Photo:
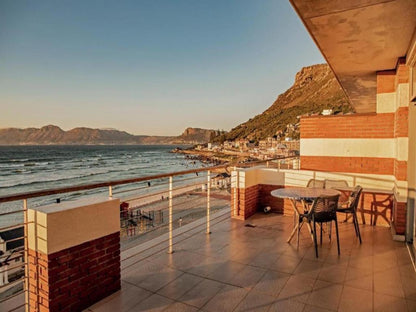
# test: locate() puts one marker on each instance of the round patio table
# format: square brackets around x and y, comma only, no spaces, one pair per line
[302,194]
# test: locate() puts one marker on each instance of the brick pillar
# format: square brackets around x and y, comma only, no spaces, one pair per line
[399,217]
[74,255]
[252,192]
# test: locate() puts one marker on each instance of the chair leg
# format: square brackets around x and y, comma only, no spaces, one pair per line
[354,221]
[297,243]
[330,230]
[336,230]
[314,239]
[321,235]
[357,227]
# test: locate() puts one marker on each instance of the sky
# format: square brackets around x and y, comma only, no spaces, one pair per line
[147,67]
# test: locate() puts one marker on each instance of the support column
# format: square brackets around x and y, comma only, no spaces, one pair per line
[74,254]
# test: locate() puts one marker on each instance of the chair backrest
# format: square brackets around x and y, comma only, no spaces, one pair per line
[354,198]
[334,184]
[337,185]
[324,209]
[316,183]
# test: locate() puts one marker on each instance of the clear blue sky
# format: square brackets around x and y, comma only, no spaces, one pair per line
[147,67]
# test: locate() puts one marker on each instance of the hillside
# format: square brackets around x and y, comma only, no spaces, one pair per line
[53,135]
[315,88]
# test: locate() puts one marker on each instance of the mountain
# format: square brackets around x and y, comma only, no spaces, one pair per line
[315,89]
[53,135]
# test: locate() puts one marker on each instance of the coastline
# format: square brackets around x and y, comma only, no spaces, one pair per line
[214,157]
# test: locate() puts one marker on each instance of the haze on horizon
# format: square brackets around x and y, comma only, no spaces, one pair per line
[147,67]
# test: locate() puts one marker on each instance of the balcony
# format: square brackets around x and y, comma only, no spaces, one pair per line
[245,263]
[248,266]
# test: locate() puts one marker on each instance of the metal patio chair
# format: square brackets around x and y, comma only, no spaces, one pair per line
[351,207]
[324,210]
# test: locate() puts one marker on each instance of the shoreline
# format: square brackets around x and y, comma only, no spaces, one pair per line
[217,158]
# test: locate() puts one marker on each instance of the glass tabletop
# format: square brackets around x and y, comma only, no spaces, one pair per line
[304,193]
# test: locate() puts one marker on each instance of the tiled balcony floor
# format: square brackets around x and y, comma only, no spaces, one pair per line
[239,268]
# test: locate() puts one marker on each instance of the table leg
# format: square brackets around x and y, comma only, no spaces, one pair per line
[296,222]
[310,231]
[295,228]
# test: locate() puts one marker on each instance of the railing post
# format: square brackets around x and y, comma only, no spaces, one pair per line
[208,200]
[278,165]
[170,214]
[235,192]
[110,191]
[26,283]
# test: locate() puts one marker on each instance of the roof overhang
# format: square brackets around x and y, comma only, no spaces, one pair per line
[359,38]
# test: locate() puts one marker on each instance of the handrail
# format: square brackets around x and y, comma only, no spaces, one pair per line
[27,195]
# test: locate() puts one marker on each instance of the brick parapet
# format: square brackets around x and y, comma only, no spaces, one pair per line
[74,278]
[355,126]
[371,165]
[371,204]
[247,202]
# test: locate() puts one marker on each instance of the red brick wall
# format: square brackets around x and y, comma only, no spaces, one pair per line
[247,202]
[401,122]
[386,81]
[348,126]
[348,164]
[400,170]
[402,71]
[399,217]
[255,198]
[74,278]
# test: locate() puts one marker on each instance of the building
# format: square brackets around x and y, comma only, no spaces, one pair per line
[221,180]
[371,48]
[11,255]
[242,144]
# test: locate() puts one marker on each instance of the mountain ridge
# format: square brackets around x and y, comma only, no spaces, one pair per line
[315,88]
[54,135]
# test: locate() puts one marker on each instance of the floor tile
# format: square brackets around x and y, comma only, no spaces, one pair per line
[287,305]
[154,303]
[388,303]
[180,307]
[226,299]
[200,294]
[178,287]
[123,300]
[272,283]
[389,283]
[297,288]
[255,301]
[356,300]
[325,295]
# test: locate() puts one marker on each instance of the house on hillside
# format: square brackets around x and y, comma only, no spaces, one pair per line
[228,144]
[242,144]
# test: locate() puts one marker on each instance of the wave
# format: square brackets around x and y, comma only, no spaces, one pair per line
[48,180]
[53,169]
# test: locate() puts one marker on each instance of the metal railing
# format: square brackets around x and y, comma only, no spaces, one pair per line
[156,205]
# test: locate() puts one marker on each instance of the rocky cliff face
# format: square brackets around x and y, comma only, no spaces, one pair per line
[315,89]
[197,135]
[49,135]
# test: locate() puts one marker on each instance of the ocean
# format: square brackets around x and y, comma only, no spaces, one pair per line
[34,168]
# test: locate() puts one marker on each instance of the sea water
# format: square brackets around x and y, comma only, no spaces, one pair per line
[34,168]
